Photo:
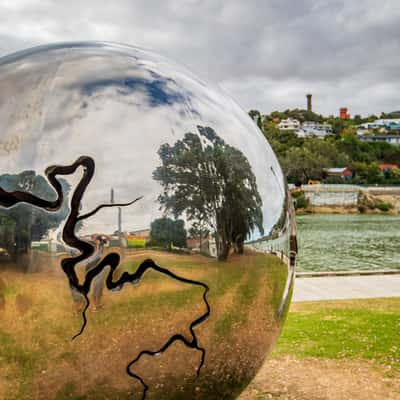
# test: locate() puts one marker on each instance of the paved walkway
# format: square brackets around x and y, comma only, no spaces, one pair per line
[346,287]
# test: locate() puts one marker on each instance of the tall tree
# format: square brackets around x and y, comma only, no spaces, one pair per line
[210,182]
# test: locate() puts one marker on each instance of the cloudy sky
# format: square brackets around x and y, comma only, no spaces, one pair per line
[267,54]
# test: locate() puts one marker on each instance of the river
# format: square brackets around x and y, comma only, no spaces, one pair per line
[348,242]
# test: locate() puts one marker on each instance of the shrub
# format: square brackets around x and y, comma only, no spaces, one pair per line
[361,209]
[383,206]
[298,193]
[301,202]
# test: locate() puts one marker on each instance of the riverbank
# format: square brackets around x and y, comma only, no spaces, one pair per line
[346,199]
[345,210]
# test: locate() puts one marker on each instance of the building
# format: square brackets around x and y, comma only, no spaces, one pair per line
[391,139]
[388,167]
[311,128]
[138,238]
[208,245]
[289,125]
[343,173]
[309,102]
[343,113]
[141,232]
[381,124]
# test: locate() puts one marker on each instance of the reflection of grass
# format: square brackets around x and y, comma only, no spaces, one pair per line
[366,329]
[14,354]
[67,392]
[265,271]
[100,392]
[238,312]
[8,290]
[39,339]
[277,283]
[227,322]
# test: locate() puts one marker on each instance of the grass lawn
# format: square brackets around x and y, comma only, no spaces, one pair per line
[351,329]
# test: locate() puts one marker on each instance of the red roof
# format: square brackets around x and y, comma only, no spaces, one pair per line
[385,167]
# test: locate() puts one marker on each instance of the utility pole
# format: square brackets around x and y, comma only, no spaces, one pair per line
[119,222]
[112,196]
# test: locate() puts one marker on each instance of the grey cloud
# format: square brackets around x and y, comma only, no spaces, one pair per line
[267,54]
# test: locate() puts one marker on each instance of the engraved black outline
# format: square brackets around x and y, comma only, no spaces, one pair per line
[10,199]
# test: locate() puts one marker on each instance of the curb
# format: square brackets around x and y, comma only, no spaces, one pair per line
[346,273]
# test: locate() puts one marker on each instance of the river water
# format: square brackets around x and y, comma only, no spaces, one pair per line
[348,242]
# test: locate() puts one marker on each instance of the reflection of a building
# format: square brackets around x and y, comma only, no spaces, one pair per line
[137,238]
[205,245]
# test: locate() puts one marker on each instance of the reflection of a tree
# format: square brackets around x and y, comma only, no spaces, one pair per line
[213,184]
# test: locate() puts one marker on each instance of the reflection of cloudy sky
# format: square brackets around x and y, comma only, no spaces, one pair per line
[119,106]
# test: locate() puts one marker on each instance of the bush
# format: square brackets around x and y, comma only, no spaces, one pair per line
[383,206]
[362,209]
[301,202]
[297,194]
[335,180]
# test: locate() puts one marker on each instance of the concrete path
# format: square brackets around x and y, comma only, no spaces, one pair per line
[346,287]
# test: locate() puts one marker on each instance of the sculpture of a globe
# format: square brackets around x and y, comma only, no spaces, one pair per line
[146,232]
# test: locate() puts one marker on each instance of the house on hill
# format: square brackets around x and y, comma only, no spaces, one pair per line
[386,169]
[289,124]
[391,139]
[344,173]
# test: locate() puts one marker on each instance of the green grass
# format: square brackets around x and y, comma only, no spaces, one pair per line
[361,329]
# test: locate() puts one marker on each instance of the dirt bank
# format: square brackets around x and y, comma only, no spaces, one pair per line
[321,379]
[343,210]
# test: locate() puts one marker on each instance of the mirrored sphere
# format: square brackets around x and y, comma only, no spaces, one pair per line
[147,243]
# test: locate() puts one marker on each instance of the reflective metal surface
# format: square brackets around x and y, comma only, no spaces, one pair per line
[144,216]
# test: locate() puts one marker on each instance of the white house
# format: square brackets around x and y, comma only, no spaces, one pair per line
[384,124]
[311,128]
[289,125]
[391,139]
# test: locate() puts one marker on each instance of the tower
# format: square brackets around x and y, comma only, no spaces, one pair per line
[343,113]
[309,102]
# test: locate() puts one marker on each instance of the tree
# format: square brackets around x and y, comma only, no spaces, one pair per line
[357,119]
[374,174]
[256,117]
[301,165]
[166,232]
[211,183]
